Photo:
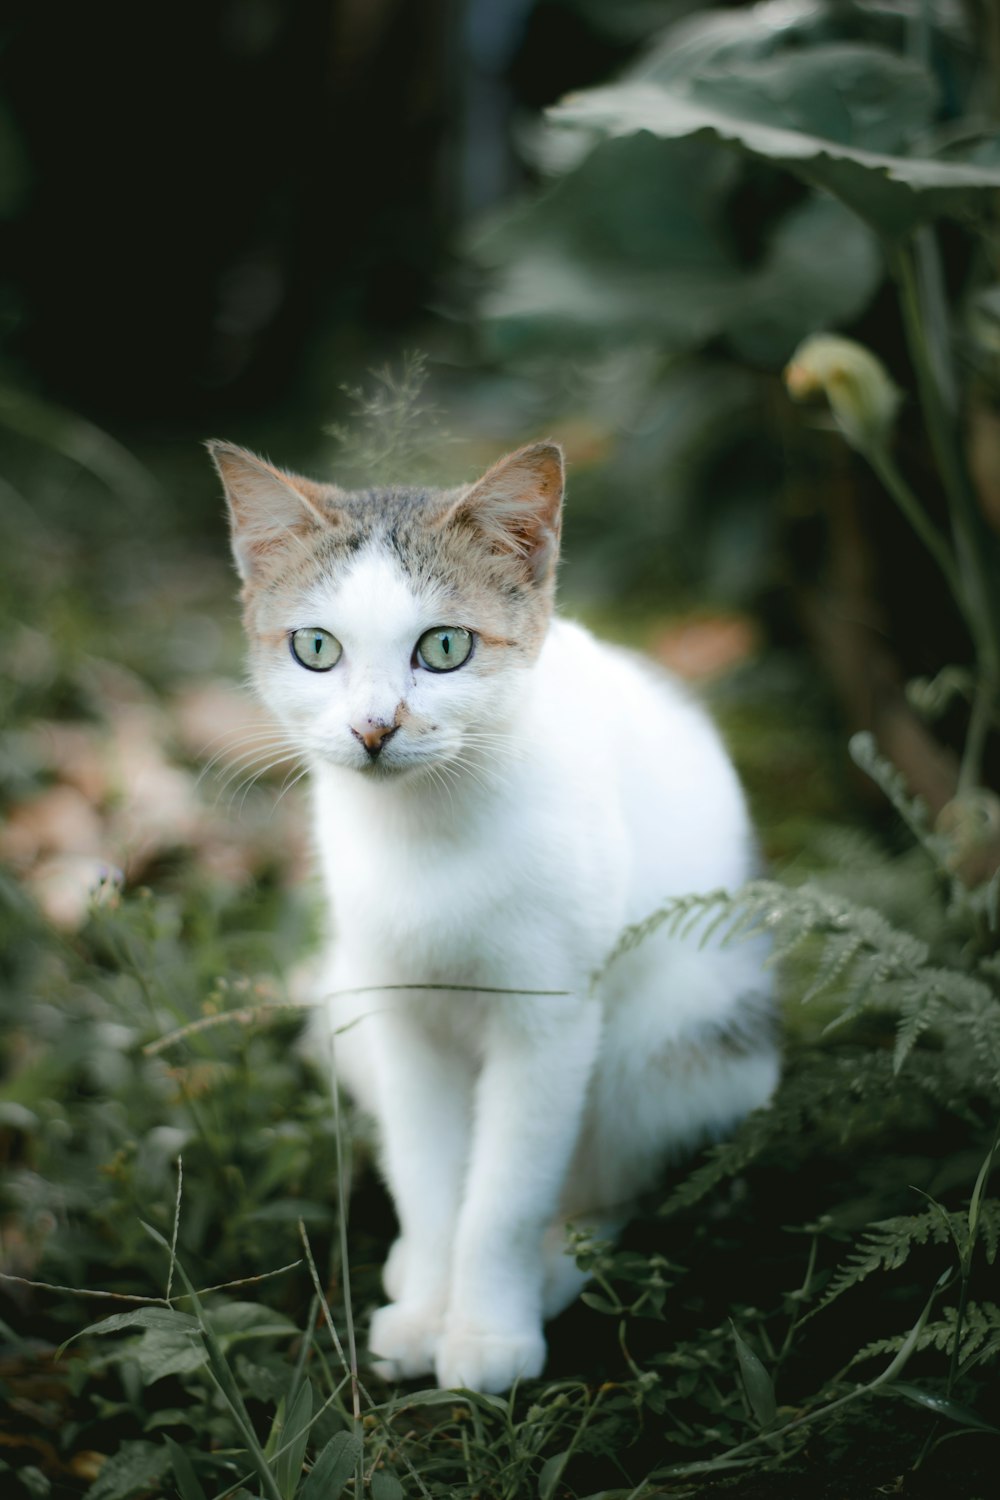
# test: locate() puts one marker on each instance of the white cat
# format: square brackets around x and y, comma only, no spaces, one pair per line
[497,795]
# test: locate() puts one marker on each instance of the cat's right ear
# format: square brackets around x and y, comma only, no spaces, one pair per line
[268,508]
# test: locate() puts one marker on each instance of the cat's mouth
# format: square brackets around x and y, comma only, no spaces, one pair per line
[389,765]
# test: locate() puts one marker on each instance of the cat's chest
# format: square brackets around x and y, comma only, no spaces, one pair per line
[488,894]
[382,869]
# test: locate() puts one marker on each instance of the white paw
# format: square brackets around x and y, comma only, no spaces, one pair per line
[394,1270]
[489,1362]
[403,1339]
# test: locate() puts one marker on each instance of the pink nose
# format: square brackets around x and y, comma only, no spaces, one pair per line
[374,735]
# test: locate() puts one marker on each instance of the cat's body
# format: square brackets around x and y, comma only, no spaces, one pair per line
[494,823]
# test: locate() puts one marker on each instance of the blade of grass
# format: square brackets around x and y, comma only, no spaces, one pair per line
[188,1482]
[223,1378]
[177,1225]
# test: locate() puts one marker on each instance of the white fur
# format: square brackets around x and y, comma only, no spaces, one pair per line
[513,825]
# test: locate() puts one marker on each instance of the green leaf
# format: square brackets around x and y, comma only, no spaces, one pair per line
[757,1382]
[143,1317]
[136,1468]
[893,194]
[821,269]
[169,1351]
[850,93]
[286,1447]
[333,1468]
[249,1320]
[34,1482]
[386,1486]
[976,1200]
[222,1374]
[552,1472]
[451,1398]
[187,1480]
[941,1406]
[630,245]
[598,1303]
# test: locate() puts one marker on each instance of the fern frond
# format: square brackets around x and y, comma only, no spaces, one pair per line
[865,754]
[989,1227]
[866,961]
[980,1335]
[887,1245]
[839,952]
[809,1098]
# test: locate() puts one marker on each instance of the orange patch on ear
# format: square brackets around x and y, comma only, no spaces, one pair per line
[517,506]
[267,506]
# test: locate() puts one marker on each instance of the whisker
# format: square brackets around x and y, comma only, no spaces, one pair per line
[470,769]
[240,751]
[289,782]
[247,756]
[442,781]
[247,781]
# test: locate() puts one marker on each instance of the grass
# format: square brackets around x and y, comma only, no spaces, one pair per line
[192,1234]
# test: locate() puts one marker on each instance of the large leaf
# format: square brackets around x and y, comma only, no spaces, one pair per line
[333,1468]
[892,193]
[631,244]
[136,1468]
[820,270]
[142,1317]
[634,245]
[855,95]
[168,1351]
[544,300]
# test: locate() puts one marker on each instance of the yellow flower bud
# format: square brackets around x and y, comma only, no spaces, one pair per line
[863,397]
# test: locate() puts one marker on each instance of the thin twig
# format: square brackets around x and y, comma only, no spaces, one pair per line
[345,1265]
[82,1291]
[247,1014]
[341,1355]
[177,1223]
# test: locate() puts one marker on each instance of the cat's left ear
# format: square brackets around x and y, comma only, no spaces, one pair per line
[517,506]
[268,507]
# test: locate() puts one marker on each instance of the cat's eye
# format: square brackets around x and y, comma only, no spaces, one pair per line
[444,648]
[314,648]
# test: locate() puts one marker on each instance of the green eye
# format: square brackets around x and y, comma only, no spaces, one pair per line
[314,648]
[444,648]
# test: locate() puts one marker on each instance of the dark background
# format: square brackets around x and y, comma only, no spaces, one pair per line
[218,206]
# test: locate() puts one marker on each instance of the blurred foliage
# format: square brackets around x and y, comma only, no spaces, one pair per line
[706,1329]
[740,187]
[808,1307]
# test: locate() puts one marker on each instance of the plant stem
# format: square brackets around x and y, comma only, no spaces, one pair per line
[892,1370]
[963,1302]
[975,594]
[888,471]
[345,1265]
[975,742]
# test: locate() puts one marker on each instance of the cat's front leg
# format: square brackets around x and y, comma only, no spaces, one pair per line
[528,1109]
[422,1096]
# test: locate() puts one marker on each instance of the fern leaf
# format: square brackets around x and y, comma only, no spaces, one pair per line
[806,1100]
[913,811]
[839,953]
[980,1335]
[886,1246]
[989,1227]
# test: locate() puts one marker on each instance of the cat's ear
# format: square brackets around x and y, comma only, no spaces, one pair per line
[267,507]
[517,506]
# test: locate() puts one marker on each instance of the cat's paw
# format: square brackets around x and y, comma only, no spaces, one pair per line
[486,1361]
[403,1339]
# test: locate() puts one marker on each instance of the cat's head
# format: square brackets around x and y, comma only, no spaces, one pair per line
[391,629]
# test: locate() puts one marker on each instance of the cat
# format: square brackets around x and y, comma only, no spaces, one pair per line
[496,795]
